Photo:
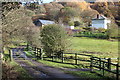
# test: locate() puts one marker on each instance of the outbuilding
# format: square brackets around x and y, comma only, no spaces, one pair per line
[41,22]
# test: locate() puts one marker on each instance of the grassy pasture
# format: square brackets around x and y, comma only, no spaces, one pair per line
[95,47]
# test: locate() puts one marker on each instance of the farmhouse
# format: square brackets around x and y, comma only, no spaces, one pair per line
[100,22]
[41,22]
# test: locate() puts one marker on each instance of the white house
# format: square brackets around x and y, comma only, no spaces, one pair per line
[100,22]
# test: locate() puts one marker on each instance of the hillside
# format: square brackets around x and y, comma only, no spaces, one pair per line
[84,8]
[109,9]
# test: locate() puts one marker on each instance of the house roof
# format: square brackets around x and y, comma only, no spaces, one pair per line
[45,22]
[99,17]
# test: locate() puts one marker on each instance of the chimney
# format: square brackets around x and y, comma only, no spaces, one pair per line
[97,16]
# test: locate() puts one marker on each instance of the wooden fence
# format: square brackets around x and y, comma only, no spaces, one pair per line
[37,52]
[103,64]
[75,57]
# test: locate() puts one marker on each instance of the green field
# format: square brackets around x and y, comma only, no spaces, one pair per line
[98,47]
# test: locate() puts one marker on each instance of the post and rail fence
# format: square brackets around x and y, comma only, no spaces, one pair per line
[103,64]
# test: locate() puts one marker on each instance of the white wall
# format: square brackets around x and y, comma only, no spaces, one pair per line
[98,23]
[70,27]
[106,23]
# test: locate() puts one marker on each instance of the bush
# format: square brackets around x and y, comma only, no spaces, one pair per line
[92,35]
[54,39]
[76,23]
[87,28]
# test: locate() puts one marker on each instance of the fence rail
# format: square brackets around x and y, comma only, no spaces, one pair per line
[103,64]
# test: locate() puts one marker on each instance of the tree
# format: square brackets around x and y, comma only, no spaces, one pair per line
[52,5]
[32,37]
[112,30]
[8,6]
[54,39]
[52,10]
[18,26]
[53,14]
[87,15]
[104,8]
[15,24]
[38,9]
[67,13]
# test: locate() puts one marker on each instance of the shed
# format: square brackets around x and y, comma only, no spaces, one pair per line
[41,22]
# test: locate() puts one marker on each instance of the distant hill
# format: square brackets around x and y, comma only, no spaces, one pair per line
[109,9]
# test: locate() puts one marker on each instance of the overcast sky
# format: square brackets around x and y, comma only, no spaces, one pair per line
[47,1]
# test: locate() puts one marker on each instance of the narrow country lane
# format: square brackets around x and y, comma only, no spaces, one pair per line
[39,70]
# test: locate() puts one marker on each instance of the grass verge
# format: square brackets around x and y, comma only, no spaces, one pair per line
[22,72]
[58,65]
[87,75]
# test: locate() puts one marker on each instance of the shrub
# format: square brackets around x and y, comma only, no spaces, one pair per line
[71,23]
[76,23]
[92,34]
[54,39]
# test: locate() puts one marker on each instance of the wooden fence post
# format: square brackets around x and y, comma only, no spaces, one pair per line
[62,57]
[76,58]
[100,63]
[109,63]
[11,55]
[103,67]
[52,56]
[27,46]
[40,53]
[117,71]
[37,52]
[91,64]
[34,51]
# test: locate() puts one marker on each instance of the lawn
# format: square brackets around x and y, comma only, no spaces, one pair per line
[99,47]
